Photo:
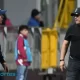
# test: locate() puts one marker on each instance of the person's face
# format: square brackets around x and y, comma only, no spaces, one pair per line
[77,19]
[37,17]
[24,32]
[1,19]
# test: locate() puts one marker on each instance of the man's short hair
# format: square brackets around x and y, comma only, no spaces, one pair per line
[22,27]
[34,13]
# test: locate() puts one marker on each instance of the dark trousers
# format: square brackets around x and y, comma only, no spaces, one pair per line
[73,70]
[1,78]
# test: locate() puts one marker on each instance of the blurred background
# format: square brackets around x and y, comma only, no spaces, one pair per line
[45,42]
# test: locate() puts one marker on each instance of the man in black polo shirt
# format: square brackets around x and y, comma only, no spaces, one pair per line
[72,36]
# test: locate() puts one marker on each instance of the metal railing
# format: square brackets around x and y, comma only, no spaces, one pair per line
[65,9]
[8,36]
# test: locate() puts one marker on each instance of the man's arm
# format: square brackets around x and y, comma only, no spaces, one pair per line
[64,49]
[41,24]
[65,45]
[63,53]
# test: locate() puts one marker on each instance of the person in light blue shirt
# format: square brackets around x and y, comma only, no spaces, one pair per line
[35,20]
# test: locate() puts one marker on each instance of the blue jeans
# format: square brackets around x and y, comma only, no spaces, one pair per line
[21,72]
[73,71]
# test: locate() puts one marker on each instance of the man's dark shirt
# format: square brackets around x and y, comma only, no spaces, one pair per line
[73,36]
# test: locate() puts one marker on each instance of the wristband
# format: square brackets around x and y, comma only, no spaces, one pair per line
[61,59]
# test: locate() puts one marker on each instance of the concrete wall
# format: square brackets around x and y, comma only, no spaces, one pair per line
[1,4]
[78,3]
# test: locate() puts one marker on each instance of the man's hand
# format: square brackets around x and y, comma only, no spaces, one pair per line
[5,67]
[41,24]
[62,65]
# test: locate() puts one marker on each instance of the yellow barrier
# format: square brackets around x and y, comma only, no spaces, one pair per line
[63,18]
[59,11]
[49,49]
[66,14]
[53,48]
[45,51]
[71,7]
